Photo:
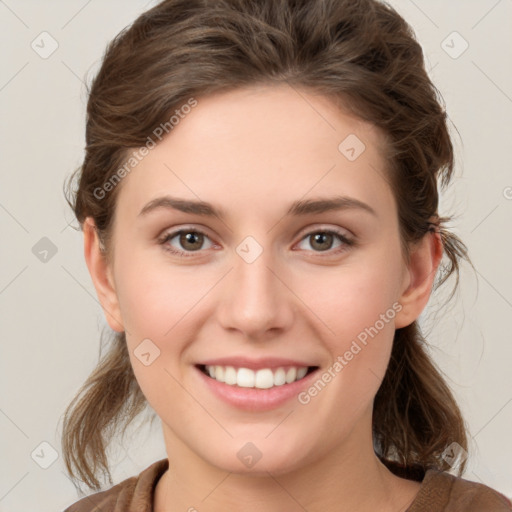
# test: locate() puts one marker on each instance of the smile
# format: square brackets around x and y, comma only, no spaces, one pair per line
[263,378]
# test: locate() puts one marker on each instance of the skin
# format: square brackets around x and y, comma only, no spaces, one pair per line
[253,152]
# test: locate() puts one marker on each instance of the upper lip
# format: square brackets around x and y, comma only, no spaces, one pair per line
[254,364]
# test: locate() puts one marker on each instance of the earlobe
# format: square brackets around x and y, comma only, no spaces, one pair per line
[425,258]
[101,276]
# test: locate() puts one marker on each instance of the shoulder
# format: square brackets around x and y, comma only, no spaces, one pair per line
[443,491]
[136,490]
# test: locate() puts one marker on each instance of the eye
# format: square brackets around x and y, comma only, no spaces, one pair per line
[322,241]
[191,240]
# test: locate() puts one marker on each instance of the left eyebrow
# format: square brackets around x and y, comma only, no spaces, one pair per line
[328,204]
[301,207]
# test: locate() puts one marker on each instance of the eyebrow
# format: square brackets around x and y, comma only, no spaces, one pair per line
[300,207]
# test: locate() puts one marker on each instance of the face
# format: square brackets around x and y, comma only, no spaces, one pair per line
[264,283]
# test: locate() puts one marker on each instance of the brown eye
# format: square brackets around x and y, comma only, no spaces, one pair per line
[324,240]
[191,240]
[188,241]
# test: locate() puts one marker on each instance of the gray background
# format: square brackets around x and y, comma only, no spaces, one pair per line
[51,320]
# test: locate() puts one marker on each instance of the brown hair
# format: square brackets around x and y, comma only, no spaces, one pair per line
[360,52]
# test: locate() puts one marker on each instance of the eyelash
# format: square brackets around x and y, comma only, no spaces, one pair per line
[347,243]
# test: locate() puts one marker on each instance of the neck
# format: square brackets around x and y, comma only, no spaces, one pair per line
[349,478]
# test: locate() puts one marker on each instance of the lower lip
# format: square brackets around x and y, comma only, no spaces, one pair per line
[255,399]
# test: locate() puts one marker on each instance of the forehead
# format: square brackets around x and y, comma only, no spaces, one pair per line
[255,148]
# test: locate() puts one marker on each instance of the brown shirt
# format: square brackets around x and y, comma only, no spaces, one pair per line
[439,492]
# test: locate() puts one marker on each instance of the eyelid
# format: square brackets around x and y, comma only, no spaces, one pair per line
[172,233]
[348,241]
[326,228]
[187,228]
[345,236]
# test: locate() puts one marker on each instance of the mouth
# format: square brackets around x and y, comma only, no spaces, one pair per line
[263,378]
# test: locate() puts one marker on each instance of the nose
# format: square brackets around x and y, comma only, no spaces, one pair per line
[255,298]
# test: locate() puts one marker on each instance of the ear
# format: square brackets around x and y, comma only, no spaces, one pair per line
[419,278]
[101,274]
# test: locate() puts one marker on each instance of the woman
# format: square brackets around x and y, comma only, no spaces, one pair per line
[259,202]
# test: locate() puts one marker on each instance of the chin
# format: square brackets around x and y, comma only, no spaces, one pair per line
[258,457]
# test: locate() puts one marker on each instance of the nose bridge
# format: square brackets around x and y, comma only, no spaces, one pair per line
[257,300]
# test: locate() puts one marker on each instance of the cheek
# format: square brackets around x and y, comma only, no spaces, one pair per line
[155,297]
[355,297]
[359,308]
[155,303]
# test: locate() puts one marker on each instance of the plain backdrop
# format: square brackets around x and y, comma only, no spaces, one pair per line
[51,320]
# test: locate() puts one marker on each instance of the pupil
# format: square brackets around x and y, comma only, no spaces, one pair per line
[190,238]
[321,238]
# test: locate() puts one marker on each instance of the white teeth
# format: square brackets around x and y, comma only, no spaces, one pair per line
[291,375]
[262,379]
[229,375]
[245,378]
[301,372]
[279,377]
[219,373]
